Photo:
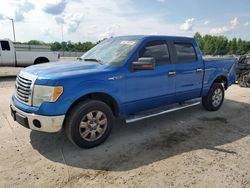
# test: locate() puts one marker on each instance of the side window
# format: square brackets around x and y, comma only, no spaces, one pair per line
[158,50]
[5,45]
[185,52]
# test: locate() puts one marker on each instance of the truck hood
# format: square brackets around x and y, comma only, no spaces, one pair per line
[64,69]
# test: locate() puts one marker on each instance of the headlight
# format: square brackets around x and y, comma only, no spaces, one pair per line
[46,94]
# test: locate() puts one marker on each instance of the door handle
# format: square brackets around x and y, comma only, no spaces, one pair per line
[199,70]
[171,73]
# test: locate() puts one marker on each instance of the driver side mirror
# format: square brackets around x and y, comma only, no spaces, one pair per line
[144,63]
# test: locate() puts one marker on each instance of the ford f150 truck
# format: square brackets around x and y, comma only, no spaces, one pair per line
[130,77]
[24,55]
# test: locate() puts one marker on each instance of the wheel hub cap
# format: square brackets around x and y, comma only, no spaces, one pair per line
[93,125]
[217,97]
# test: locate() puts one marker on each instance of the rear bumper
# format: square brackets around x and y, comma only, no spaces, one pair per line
[37,122]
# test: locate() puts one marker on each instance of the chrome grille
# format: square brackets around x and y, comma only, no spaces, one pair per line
[24,84]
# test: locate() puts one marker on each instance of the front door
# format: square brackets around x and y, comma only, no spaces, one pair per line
[147,89]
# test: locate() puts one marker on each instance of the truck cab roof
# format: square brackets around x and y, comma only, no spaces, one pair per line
[155,37]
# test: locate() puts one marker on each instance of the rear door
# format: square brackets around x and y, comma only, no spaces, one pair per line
[146,89]
[188,70]
[7,55]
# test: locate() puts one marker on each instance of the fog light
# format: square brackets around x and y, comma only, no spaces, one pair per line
[37,123]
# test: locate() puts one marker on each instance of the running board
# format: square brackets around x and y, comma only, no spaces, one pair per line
[163,110]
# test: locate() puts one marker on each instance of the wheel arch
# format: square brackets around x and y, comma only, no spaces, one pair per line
[104,97]
[222,79]
[41,59]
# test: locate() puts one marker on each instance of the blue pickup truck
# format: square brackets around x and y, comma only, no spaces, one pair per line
[130,77]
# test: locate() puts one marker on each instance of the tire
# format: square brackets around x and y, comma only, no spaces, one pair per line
[41,60]
[86,130]
[215,97]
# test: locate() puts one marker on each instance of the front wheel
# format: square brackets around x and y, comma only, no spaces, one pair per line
[89,123]
[215,97]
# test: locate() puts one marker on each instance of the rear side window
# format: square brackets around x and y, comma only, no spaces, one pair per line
[185,52]
[158,50]
[5,45]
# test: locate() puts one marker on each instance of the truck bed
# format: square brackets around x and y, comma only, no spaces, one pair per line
[221,59]
[26,47]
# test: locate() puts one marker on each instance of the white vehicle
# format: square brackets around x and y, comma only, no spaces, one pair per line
[24,55]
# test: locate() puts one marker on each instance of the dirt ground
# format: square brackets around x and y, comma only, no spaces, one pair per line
[9,71]
[188,148]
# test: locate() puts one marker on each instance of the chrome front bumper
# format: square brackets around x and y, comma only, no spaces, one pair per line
[37,122]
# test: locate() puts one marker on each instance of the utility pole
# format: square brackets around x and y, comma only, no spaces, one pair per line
[13,27]
[62,38]
[62,32]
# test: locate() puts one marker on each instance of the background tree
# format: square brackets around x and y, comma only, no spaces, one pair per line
[35,42]
[210,45]
[199,40]
[220,45]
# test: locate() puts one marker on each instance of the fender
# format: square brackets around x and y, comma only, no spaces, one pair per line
[95,86]
[212,77]
[80,90]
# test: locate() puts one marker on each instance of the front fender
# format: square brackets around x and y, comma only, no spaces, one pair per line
[95,86]
[73,92]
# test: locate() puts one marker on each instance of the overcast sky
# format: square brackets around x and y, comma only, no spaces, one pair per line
[91,20]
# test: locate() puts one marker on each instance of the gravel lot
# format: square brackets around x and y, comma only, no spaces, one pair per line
[9,71]
[188,148]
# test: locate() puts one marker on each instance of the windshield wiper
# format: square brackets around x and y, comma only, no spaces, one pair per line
[94,60]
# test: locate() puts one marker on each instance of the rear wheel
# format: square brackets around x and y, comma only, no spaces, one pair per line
[41,60]
[215,97]
[89,123]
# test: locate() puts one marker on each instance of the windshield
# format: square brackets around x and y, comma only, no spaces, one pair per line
[111,51]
